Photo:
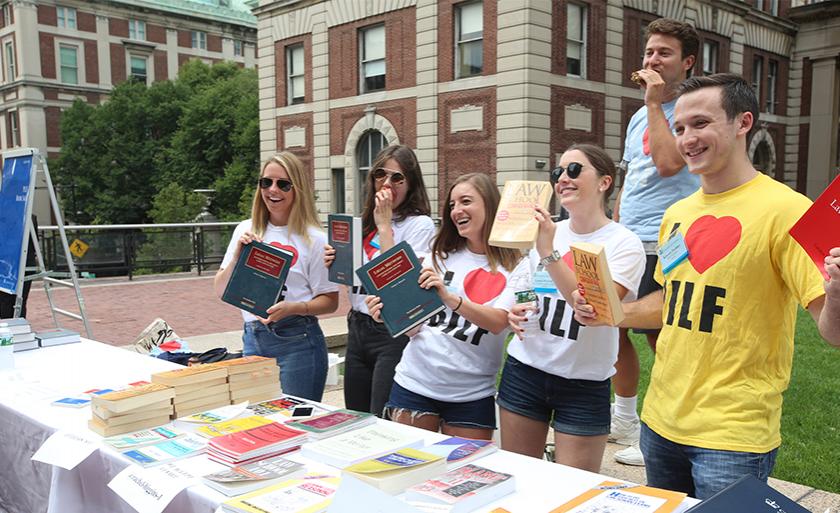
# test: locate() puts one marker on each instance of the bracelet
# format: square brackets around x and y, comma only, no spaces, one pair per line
[460,302]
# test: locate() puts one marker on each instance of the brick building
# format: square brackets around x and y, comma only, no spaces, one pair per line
[54,51]
[504,86]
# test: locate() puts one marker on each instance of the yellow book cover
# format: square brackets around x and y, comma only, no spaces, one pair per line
[617,496]
[189,375]
[593,274]
[514,225]
[304,495]
[399,460]
[232,426]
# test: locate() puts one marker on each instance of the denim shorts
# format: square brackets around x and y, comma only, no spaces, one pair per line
[480,413]
[696,471]
[577,406]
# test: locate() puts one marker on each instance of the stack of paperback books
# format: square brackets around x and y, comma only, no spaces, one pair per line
[360,445]
[396,471]
[132,409]
[232,426]
[24,338]
[197,388]
[291,496]
[57,337]
[251,378]
[247,478]
[332,423]
[283,405]
[259,443]
[462,490]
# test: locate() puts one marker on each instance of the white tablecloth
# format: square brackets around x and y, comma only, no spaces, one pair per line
[27,419]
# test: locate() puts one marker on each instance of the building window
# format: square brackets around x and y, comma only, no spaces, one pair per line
[757,73]
[10,61]
[372,52]
[199,39]
[772,85]
[66,17]
[774,7]
[138,68]
[710,57]
[7,13]
[69,60]
[469,42]
[14,128]
[237,48]
[137,30]
[368,148]
[295,79]
[338,190]
[576,40]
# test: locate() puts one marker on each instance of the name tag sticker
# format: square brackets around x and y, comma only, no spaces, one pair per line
[673,252]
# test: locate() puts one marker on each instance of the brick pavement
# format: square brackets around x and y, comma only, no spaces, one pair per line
[119,309]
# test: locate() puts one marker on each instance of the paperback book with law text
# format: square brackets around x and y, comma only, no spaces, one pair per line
[593,274]
[818,230]
[514,225]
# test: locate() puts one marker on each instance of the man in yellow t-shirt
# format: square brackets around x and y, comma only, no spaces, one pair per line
[727,311]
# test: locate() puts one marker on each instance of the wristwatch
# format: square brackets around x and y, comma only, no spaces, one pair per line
[553,257]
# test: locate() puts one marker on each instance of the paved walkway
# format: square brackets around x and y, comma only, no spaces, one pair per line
[118,310]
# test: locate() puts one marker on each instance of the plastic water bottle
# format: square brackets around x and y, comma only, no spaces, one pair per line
[7,357]
[529,298]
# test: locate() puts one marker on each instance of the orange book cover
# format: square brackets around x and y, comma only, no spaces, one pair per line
[611,495]
[818,230]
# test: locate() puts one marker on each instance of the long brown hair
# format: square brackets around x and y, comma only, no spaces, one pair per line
[416,202]
[302,213]
[601,162]
[449,241]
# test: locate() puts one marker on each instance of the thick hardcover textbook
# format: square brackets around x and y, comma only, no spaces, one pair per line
[593,274]
[393,276]
[344,234]
[616,496]
[818,230]
[514,225]
[258,277]
[748,494]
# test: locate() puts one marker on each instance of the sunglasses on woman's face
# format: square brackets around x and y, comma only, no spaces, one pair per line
[282,184]
[382,174]
[572,171]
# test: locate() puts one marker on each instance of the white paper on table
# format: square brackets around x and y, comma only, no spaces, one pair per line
[217,415]
[354,492]
[150,490]
[65,449]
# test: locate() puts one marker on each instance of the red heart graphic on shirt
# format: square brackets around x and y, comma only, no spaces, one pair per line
[369,250]
[646,142]
[482,286]
[290,249]
[710,239]
[569,258]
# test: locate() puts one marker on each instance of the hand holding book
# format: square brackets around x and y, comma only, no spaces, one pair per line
[329,255]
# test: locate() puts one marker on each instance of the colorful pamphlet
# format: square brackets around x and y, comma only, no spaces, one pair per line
[514,225]
[618,496]
[258,278]
[462,489]
[142,438]
[283,405]
[167,450]
[818,230]
[459,451]
[344,234]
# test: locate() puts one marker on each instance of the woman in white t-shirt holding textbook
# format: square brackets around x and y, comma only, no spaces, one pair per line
[558,372]
[396,209]
[283,214]
[447,377]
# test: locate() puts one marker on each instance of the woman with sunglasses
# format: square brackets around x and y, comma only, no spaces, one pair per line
[558,372]
[447,377]
[396,209]
[283,214]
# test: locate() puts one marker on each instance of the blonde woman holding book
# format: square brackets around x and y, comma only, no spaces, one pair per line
[447,377]
[396,209]
[283,214]
[558,372]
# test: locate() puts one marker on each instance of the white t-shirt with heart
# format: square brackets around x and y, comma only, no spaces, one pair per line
[308,277]
[451,359]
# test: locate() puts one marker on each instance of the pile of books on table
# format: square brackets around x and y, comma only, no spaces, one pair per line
[57,337]
[258,443]
[24,338]
[332,423]
[197,388]
[251,378]
[132,409]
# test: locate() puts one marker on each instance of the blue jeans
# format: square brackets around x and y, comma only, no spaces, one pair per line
[480,413]
[698,472]
[298,345]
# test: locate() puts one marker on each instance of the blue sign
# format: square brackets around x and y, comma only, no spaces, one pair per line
[14,212]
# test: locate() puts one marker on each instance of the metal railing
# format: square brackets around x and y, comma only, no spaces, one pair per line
[132,249]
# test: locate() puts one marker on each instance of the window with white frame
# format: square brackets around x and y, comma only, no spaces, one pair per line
[137,30]
[368,147]
[14,128]
[139,70]
[469,39]
[576,40]
[372,52]
[68,56]
[66,17]
[237,48]
[295,82]
[199,39]
[7,13]
[757,73]
[11,68]
[772,85]
[710,57]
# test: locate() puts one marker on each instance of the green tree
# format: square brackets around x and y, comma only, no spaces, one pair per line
[174,204]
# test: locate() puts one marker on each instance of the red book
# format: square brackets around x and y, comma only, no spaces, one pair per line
[257,441]
[818,230]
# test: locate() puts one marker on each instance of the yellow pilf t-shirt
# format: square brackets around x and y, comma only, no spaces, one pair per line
[724,356]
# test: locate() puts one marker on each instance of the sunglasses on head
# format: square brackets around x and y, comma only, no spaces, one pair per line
[381,174]
[282,184]
[572,171]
